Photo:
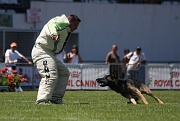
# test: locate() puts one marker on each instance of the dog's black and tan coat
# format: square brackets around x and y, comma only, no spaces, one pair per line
[128,88]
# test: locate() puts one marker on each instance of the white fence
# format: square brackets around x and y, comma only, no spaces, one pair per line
[82,77]
[163,76]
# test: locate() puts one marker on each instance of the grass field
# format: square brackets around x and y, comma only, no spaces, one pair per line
[89,106]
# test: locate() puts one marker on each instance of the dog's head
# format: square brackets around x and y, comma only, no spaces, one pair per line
[106,80]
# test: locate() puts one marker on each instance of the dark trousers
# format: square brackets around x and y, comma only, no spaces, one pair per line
[115,70]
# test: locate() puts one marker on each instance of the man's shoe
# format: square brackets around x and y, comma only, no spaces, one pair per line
[42,103]
[56,101]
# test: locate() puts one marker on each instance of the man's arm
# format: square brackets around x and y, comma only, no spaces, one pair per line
[143,59]
[127,57]
[55,26]
[107,59]
[27,60]
[143,62]
[9,60]
[80,59]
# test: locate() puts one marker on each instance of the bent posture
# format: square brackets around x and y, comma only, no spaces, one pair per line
[130,89]
[54,73]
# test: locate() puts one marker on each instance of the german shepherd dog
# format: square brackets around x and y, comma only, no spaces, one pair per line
[128,88]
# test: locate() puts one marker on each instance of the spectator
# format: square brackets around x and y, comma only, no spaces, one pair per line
[52,40]
[61,56]
[112,56]
[12,56]
[74,56]
[136,58]
[113,59]
[125,61]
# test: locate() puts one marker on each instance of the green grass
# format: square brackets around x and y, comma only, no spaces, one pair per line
[89,106]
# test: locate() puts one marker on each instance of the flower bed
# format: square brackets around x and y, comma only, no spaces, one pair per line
[11,78]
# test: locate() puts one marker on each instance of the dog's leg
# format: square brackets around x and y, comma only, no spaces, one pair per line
[128,96]
[146,90]
[141,97]
[156,98]
[133,101]
[138,93]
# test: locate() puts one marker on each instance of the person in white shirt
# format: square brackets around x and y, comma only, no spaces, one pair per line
[135,58]
[51,41]
[12,56]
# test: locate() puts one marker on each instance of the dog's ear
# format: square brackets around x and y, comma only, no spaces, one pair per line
[113,76]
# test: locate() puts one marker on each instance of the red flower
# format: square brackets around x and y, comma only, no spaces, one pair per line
[4,70]
[11,81]
[10,76]
[14,71]
[23,80]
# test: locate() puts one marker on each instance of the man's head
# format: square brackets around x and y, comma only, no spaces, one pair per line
[74,22]
[138,50]
[114,48]
[126,51]
[13,46]
[75,49]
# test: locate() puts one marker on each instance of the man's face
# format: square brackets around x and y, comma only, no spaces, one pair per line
[114,48]
[138,51]
[13,48]
[73,25]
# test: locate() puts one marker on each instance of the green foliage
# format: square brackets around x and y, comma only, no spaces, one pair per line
[4,81]
[89,106]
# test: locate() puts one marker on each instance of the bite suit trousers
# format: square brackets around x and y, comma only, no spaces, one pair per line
[54,74]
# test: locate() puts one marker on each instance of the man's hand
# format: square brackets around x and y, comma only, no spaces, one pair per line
[11,62]
[55,37]
[138,65]
[30,63]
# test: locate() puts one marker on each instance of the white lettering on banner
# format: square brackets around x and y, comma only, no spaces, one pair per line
[164,78]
